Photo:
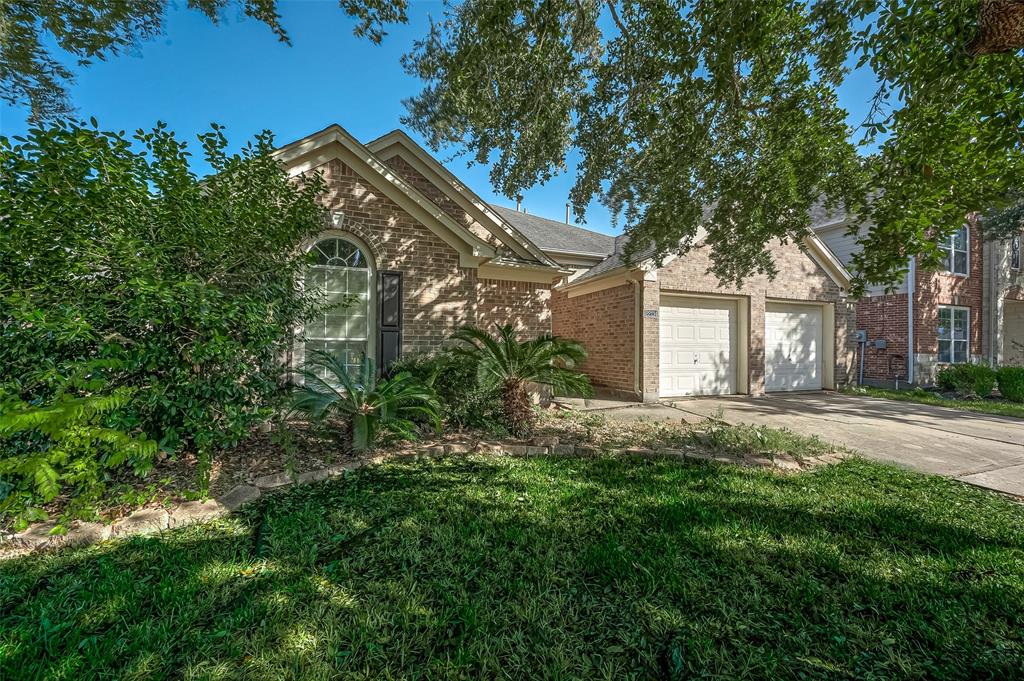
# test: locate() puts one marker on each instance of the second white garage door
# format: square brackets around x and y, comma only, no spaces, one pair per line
[793,347]
[698,341]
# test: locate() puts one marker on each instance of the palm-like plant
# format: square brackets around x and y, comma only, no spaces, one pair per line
[510,364]
[371,405]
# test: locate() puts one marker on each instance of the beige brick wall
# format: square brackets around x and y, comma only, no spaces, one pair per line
[442,200]
[799,278]
[439,294]
[604,323]
[525,305]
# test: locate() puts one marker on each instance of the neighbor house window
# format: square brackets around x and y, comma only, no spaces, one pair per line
[955,248]
[1015,252]
[954,334]
[342,270]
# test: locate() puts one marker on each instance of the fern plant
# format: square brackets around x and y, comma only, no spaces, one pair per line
[371,406]
[63,444]
[511,365]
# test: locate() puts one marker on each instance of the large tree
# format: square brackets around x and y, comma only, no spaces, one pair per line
[726,112]
[716,111]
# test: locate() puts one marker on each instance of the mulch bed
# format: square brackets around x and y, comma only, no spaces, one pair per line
[174,479]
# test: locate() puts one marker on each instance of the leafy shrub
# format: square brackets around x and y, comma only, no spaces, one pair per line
[371,406]
[1011,383]
[64,443]
[191,285]
[507,364]
[453,377]
[967,379]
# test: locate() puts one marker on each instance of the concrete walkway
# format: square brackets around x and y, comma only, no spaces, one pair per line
[979,449]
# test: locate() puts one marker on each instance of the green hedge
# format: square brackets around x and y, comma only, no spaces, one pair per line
[976,379]
[1011,383]
[114,254]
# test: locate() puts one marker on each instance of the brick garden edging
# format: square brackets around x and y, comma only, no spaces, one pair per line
[156,520]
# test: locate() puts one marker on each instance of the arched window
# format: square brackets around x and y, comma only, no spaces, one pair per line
[344,272]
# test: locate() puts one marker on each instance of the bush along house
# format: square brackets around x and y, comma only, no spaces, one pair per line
[970,311]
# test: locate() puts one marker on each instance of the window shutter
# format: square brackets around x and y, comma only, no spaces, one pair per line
[390,318]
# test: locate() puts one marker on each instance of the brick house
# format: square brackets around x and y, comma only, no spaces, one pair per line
[422,254]
[968,312]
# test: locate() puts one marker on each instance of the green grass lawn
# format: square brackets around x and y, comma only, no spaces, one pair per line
[546,568]
[924,397]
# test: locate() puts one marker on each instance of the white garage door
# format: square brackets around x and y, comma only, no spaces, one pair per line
[697,346]
[793,347]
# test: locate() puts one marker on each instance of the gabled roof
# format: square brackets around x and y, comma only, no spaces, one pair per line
[398,142]
[558,237]
[644,258]
[334,142]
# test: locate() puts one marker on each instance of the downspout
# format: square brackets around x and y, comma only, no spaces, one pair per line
[911,287]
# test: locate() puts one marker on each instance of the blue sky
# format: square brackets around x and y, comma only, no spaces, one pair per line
[238,75]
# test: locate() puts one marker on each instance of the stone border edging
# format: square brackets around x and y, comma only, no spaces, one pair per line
[148,521]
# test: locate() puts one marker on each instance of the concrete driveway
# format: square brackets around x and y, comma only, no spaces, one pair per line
[983,450]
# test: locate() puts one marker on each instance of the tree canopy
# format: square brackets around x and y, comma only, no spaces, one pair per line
[717,112]
[727,111]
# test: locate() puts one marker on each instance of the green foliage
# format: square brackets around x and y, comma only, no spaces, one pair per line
[464,404]
[109,252]
[1011,383]
[64,444]
[748,88]
[968,379]
[508,364]
[30,74]
[726,112]
[371,406]
[480,567]
[921,396]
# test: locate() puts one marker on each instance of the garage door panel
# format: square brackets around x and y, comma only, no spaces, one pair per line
[793,347]
[697,346]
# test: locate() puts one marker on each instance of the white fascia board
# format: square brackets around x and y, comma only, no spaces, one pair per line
[513,271]
[610,279]
[335,143]
[827,260]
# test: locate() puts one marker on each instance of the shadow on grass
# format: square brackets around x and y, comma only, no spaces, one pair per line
[476,567]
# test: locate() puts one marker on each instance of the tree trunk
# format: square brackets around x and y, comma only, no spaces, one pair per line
[1000,27]
[517,409]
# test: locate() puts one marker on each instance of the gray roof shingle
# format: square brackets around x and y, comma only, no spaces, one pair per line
[551,235]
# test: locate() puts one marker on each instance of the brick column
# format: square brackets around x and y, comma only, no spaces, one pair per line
[650,341]
[755,356]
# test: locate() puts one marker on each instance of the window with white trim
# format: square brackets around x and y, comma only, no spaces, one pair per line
[343,272]
[956,249]
[954,334]
[1015,252]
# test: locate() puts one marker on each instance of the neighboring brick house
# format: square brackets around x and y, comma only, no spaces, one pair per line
[963,313]
[421,255]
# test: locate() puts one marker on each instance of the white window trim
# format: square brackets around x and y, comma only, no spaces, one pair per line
[299,356]
[952,321]
[1015,239]
[950,241]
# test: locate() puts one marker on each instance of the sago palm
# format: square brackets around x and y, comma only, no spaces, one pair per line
[370,405]
[511,365]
